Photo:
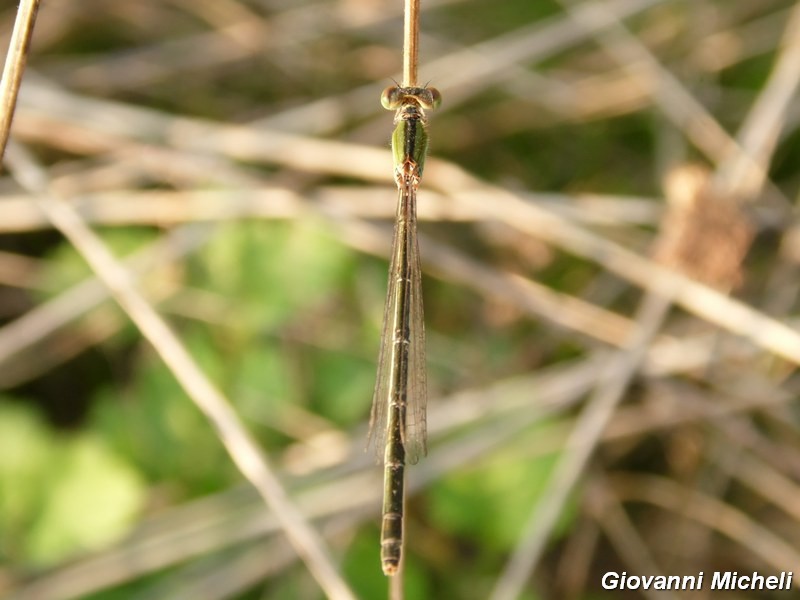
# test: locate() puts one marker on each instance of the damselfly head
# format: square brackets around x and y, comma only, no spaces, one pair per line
[393,97]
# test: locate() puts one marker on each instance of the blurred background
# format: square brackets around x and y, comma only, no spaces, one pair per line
[234,155]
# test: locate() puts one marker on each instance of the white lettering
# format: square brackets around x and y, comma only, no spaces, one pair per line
[721,581]
[610,580]
[622,581]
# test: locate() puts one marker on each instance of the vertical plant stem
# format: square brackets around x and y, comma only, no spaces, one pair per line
[15,66]
[410,43]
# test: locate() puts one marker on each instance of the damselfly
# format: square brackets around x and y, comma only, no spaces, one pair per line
[397,423]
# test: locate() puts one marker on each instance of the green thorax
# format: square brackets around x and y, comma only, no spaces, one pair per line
[409,140]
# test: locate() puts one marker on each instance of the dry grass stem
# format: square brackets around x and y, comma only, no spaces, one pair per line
[14,67]
[738,176]
[710,512]
[369,163]
[410,43]
[243,450]
[597,302]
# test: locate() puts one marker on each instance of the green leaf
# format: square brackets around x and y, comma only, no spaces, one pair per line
[25,453]
[162,431]
[276,271]
[59,495]
[93,496]
[342,387]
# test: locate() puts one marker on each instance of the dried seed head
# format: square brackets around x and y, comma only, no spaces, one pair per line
[702,234]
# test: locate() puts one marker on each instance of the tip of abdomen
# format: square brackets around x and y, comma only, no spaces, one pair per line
[390,556]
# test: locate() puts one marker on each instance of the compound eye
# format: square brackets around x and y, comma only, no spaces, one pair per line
[436,98]
[391,98]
